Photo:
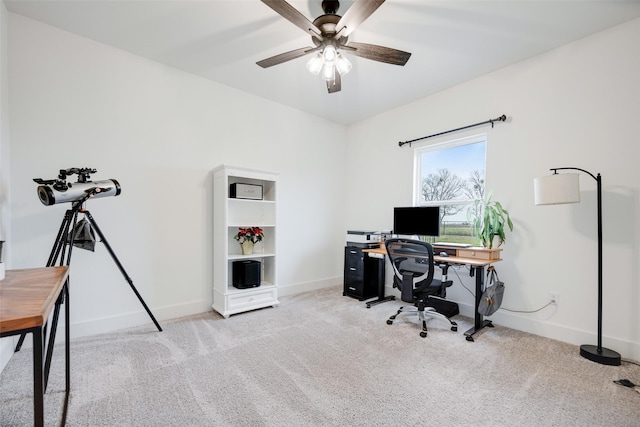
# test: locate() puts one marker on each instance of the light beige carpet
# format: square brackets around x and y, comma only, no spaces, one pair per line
[322,359]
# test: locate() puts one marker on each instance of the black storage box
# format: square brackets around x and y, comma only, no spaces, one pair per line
[246,274]
[443,306]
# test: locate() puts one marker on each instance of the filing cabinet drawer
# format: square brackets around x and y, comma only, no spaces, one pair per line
[354,275]
[353,262]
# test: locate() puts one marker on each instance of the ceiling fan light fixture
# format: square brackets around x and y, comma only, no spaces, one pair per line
[343,65]
[328,71]
[314,65]
[329,53]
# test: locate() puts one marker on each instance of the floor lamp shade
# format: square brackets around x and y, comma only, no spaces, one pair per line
[557,189]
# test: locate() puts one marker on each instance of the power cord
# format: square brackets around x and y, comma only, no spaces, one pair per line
[456,267]
[627,383]
[528,311]
[501,308]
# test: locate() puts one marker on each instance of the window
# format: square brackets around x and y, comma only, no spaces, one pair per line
[451,175]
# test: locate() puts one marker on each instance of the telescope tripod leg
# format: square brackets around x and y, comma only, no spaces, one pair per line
[58,250]
[120,267]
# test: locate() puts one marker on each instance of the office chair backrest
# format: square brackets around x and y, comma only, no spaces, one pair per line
[411,259]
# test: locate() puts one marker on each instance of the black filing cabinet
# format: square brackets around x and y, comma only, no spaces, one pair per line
[355,284]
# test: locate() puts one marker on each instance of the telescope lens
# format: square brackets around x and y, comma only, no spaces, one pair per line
[46,195]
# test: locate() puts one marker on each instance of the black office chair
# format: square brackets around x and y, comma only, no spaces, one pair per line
[413,270]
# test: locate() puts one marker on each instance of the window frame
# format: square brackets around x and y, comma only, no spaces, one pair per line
[464,203]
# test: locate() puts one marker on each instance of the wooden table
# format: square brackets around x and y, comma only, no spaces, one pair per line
[477,259]
[27,298]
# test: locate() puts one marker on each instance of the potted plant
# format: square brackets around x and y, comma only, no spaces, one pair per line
[488,220]
[247,237]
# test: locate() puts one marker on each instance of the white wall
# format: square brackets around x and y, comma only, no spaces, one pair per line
[576,106]
[159,132]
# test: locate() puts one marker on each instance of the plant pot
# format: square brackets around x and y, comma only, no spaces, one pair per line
[494,243]
[247,247]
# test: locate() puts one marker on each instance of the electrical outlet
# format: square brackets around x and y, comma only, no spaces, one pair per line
[554,297]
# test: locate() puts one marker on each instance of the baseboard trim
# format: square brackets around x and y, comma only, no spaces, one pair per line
[629,350]
[134,319]
[308,286]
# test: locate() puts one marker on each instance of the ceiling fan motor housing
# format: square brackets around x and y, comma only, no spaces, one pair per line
[330,6]
[327,25]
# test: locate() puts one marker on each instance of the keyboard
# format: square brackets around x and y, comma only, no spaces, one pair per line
[452,245]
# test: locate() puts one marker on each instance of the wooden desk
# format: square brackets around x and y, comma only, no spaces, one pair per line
[477,259]
[27,298]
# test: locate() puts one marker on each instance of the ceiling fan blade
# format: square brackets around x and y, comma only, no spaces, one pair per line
[334,85]
[284,57]
[377,53]
[355,15]
[291,14]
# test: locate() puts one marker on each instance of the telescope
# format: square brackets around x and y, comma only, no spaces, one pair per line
[54,191]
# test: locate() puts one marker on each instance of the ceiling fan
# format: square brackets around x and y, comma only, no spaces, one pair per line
[330,33]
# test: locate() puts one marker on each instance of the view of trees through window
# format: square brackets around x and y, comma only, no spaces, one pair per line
[451,175]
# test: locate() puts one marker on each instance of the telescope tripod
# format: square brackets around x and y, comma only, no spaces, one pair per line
[60,255]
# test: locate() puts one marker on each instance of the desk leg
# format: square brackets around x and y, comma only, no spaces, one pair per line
[38,377]
[67,343]
[67,352]
[478,320]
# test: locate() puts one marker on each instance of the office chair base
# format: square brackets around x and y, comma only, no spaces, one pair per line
[422,314]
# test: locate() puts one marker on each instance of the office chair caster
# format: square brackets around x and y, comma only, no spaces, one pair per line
[469,338]
[454,326]
[423,332]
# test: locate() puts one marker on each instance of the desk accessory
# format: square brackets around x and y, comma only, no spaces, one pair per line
[489,220]
[363,239]
[564,188]
[239,190]
[493,293]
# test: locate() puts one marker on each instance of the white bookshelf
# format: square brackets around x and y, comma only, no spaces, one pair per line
[228,215]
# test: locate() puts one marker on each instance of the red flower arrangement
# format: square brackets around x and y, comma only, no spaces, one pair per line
[251,234]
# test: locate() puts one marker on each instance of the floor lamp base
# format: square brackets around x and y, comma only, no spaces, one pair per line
[603,356]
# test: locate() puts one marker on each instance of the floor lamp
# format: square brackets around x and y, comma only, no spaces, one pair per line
[564,188]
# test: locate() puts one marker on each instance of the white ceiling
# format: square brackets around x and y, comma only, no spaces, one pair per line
[451,42]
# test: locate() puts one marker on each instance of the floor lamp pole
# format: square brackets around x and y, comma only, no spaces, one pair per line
[598,353]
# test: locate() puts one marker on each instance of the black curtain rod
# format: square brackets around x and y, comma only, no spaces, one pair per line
[502,118]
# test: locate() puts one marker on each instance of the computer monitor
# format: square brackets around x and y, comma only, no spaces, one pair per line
[421,221]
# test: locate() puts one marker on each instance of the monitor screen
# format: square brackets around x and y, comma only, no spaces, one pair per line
[423,221]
